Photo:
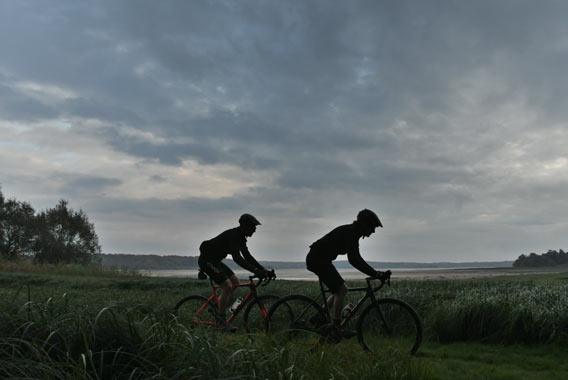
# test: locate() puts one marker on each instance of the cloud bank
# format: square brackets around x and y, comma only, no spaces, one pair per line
[165,121]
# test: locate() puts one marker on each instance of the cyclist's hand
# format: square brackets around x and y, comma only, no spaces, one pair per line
[266,274]
[261,273]
[383,276]
[270,274]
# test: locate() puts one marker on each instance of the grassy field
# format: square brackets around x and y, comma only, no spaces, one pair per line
[72,322]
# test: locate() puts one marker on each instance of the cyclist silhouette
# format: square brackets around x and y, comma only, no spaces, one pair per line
[340,241]
[232,241]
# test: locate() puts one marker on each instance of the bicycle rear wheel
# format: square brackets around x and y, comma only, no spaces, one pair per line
[296,319]
[257,312]
[193,311]
[389,326]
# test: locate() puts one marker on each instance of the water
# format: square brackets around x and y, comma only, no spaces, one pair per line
[295,274]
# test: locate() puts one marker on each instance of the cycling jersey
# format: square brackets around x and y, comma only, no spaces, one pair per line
[233,242]
[343,240]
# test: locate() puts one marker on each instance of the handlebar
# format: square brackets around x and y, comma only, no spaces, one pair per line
[384,277]
[263,280]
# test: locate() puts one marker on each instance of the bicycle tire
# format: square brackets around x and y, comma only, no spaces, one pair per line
[389,326]
[190,312]
[296,319]
[256,322]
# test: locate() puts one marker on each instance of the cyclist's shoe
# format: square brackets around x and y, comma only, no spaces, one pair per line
[318,320]
[337,333]
[226,327]
[346,333]
[220,320]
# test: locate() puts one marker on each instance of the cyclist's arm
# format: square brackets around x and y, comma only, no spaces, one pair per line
[359,263]
[251,260]
[241,261]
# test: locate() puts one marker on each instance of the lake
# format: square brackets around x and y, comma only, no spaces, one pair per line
[353,274]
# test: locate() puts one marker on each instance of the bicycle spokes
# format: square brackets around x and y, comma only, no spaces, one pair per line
[390,326]
[257,312]
[193,311]
[296,320]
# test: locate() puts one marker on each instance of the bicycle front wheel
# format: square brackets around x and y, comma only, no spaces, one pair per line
[389,326]
[296,319]
[257,312]
[193,311]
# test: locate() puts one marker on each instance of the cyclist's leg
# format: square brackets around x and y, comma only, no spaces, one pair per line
[329,275]
[229,280]
[226,296]
[338,302]
[219,273]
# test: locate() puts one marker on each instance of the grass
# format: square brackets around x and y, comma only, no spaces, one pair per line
[492,361]
[68,323]
[62,341]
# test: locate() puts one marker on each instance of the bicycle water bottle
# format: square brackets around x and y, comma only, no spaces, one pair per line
[236,304]
[347,310]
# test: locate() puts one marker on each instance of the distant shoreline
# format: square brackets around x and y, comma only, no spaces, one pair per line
[407,274]
[174,262]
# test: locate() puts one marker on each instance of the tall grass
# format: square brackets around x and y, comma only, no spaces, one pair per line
[486,310]
[69,324]
[496,311]
[54,340]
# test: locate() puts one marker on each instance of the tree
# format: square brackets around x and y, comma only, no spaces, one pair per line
[64,235]
[549,258]
[17,225]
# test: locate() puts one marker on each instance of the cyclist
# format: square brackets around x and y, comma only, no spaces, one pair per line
[213,251]
[340,241]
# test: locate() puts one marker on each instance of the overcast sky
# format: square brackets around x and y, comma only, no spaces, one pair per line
[166,120]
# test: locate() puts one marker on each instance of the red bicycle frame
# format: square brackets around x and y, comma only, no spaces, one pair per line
[215,298]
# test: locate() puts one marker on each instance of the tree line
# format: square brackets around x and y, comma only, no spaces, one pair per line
[550,258]
[55,235]
[148,262]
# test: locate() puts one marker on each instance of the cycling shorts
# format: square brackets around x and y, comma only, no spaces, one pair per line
[218,272]
[326,272]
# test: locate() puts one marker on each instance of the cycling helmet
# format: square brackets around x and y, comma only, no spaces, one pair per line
[248,219]
[369,218]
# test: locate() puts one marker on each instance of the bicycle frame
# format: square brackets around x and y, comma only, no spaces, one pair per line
[298,316]
[214,298]
[369,293]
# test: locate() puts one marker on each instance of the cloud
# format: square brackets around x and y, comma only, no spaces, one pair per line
[15,106]
[449,118]
[83,185]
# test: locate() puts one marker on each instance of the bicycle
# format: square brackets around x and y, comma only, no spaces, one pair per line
[196,310]
[384,326]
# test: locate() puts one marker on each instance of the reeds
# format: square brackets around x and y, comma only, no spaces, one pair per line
[492,311]
[112,326]
[56,340]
